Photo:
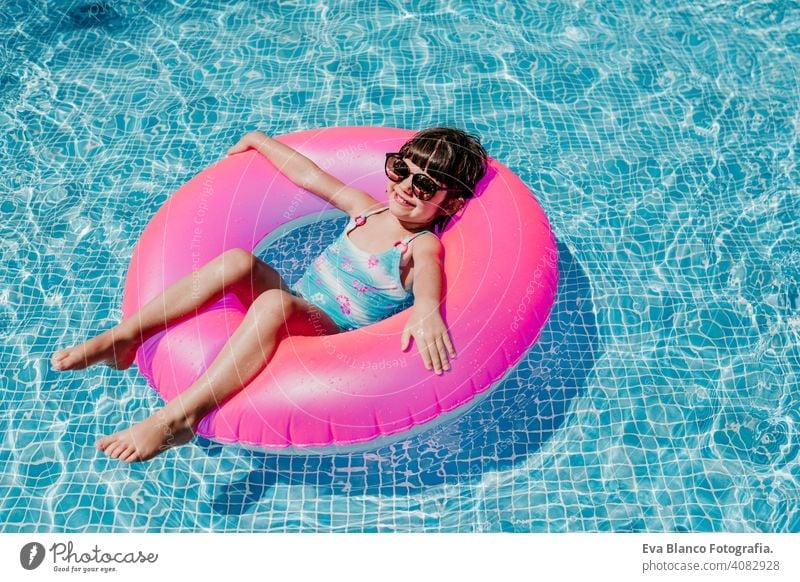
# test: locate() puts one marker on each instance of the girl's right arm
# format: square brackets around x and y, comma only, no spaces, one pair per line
[306,174]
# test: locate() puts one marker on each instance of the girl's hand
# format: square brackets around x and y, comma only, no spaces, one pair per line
[250,140]
[433,340]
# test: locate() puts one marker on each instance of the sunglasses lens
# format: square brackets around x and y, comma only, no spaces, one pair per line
[424,188]
[396,169]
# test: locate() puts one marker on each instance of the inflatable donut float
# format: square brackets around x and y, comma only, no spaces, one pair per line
[353,389]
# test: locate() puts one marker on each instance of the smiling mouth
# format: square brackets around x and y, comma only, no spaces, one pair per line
[403,201]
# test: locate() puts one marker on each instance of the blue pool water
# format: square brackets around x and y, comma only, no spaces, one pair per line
[662,139]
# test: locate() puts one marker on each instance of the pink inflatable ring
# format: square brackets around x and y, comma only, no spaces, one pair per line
[353,388]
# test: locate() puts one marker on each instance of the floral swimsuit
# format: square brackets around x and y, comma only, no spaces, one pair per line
[354,287]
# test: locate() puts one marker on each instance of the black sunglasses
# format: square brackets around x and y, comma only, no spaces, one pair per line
[422,186]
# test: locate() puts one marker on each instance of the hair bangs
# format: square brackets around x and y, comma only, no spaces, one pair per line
[450,156]
[436,157]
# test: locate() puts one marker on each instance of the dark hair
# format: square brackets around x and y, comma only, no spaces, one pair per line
[450,156]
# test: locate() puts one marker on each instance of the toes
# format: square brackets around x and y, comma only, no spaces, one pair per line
[63,360]
[111,446]
[103,443]
[118,446]
[130,456]
[57,360]
[108,445]
[119,450]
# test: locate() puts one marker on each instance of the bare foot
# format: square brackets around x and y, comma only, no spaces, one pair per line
[114,352]
[147,439]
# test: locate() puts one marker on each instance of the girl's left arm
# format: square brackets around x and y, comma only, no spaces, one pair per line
[425,324]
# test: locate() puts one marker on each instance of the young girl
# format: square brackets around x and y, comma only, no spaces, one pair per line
[364,276]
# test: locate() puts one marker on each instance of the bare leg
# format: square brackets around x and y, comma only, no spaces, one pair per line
[273,315]
[236,271]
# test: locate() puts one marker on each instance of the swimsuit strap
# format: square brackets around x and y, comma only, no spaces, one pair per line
[376,211]
[361,219]
[402,245]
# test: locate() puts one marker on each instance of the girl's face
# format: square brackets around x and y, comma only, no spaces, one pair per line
[410,209]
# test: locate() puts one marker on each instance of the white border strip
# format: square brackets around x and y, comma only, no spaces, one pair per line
[401,558]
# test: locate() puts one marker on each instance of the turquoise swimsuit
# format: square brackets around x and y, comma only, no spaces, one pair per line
[354,287]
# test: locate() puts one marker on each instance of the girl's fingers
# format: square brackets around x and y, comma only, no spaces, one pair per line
[435,359]
[405,339]
[242,145]
[442,350]
[449,345]
[435,353]
[423,352]
[429,364]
